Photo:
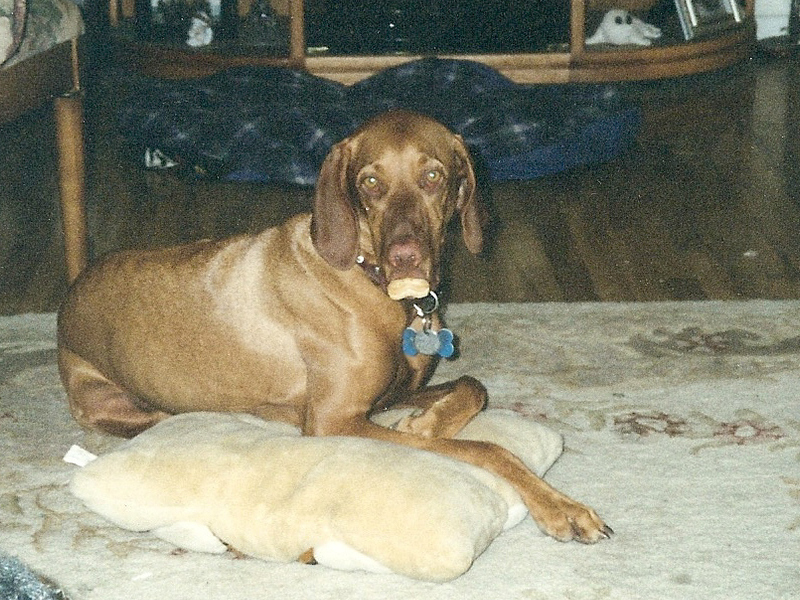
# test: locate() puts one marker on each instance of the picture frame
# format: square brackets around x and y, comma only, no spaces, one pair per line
[699,18]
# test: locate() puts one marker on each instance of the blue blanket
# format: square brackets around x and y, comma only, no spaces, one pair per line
[276,125]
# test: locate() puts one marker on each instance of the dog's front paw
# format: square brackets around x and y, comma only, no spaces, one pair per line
[567,520]
[420,423]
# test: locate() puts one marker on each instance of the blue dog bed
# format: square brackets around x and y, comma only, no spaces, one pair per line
[270,124]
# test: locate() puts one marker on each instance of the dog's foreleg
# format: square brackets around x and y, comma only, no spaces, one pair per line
[556,514]
[441,411]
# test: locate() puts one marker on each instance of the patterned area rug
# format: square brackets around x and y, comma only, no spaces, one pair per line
[682,427]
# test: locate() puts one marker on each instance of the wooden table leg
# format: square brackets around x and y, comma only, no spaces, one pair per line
[72,184]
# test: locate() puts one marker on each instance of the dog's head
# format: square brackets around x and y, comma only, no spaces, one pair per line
[387,194]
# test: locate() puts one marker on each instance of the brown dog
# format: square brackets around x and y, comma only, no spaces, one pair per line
[297,323]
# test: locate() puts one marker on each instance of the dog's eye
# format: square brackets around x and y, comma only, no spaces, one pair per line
[432,178]
[370,183]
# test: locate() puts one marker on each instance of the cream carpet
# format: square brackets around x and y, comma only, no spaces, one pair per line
[682,427]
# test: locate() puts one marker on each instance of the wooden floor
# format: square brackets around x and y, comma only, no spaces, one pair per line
[705,206]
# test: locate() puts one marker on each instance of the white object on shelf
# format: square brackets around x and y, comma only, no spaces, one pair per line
[619,27]
[772,18]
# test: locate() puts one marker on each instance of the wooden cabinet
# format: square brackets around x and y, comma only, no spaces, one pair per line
[562,61]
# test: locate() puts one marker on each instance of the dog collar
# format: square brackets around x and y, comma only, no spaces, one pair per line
[426,340]
[372,271]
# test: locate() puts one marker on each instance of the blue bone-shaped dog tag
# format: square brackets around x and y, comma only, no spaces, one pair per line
[428,342]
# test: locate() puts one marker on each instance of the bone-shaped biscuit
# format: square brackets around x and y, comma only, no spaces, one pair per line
[410,287]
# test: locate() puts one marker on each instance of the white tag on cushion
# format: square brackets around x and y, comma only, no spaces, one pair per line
[78,456]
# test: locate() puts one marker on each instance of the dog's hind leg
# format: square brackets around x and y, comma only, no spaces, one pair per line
[98,403]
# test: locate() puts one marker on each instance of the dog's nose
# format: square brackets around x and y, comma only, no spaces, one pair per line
[405,255]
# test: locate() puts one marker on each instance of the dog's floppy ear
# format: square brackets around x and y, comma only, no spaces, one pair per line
[468,203]
[334,225]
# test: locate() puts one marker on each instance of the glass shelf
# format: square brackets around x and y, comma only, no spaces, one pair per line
[352,39]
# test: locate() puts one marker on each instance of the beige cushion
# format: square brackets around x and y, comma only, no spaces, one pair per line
[203,480]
